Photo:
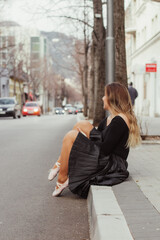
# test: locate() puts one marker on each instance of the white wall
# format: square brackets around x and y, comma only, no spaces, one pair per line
[147,50]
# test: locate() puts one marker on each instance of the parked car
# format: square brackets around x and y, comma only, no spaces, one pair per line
[79,108]
[9,107]
[31,108]
[67,106]
[59,110]
[72,110]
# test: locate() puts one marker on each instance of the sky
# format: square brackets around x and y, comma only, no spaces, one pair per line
[23,12]
[127,2]
[31,13]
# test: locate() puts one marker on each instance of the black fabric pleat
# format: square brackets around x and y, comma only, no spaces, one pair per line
[87,167]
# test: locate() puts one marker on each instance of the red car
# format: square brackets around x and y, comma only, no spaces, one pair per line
[31,108]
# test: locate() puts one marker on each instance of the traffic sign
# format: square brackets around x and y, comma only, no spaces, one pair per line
[151,67]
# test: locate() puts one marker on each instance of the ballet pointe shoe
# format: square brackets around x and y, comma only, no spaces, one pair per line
[59,188]
[53,172]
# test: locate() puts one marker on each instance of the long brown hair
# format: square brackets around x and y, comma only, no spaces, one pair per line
[120,102]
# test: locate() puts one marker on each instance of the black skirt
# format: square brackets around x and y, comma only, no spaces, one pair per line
[88,167]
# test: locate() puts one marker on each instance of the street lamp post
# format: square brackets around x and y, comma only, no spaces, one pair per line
[110,48]
[0,85]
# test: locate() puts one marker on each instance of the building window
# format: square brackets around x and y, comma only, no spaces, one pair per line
[35,47]
[138,39]
[4,55]
[144,35]
[35,44]
[45,46]
[35,55]
[3,64]
[4,42]
[156,23]
[11,41]
[152,26]
[35,39]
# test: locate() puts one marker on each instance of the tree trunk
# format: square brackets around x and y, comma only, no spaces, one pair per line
[99,61]
[14,87]
[119,34]
[85,78]
[91,84]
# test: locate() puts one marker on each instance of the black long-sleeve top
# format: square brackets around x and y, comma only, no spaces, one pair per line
[114,137]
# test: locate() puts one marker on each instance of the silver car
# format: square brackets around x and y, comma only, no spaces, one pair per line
[9,107]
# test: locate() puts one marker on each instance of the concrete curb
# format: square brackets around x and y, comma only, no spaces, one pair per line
[106,219]
[150,142]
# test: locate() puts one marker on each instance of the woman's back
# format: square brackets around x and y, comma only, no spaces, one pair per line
[114,137]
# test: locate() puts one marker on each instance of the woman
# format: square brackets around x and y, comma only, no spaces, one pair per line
[93,156]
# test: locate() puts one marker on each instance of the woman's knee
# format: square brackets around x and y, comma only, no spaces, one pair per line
[84,124]
[71,135]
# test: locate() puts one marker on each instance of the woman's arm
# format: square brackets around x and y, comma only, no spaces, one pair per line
[102,125]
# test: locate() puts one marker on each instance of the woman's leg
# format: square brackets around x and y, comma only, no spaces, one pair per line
[67,144]
[83,126]
[65,152]
[68,141]
[57,163]
[54,170]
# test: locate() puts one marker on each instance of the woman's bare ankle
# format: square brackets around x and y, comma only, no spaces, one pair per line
[61,180]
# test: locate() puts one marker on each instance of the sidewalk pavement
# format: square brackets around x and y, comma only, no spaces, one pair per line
[149,125]
[130,210]
[138,198]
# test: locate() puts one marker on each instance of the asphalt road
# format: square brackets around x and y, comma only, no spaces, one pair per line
[28,148]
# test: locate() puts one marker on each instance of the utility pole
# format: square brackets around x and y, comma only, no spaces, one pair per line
[0,84]
[110,44]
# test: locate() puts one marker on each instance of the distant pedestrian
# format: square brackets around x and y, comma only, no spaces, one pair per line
[93,156]
[133,93]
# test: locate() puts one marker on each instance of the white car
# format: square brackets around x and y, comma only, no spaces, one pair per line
[9,107]
[67,106]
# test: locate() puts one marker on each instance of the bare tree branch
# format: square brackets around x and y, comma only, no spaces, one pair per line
[72,18]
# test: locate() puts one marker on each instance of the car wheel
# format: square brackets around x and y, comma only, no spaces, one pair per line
[19,116]
[24,115]
[14,115]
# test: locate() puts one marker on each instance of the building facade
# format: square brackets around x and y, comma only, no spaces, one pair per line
[22,51]
[4,82]
[142,48]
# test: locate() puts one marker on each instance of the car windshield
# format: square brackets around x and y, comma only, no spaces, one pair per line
[31,105]
[6,101]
